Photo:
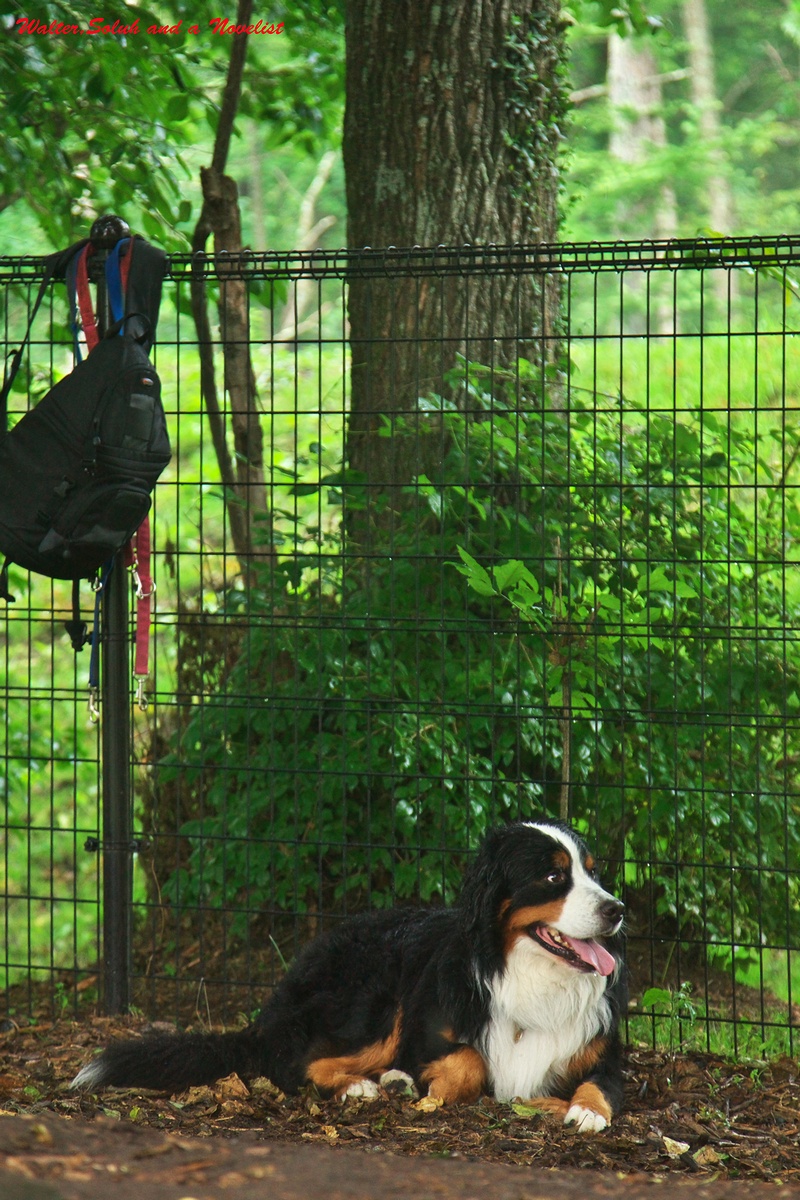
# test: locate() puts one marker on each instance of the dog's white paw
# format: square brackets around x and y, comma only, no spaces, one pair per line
[585,1120]
[398,1083]
[361,1089]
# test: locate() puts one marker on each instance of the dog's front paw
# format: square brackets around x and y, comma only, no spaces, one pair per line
[360,1089]
[398,1083]
[585,1120]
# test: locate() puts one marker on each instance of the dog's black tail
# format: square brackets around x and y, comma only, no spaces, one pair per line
[174,1062]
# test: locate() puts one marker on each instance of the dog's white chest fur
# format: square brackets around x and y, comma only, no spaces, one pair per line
[542,1015]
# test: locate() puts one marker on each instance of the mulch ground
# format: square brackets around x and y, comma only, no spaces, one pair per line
[694,1121]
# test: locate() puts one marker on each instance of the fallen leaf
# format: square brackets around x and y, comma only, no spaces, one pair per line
[675,1149]
[428,1104]
[231,1086]
[527,1110]
[706,1156]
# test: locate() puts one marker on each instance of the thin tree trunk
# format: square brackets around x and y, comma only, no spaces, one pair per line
[704,98]
[257,189]
[309,231]
[636,99]
[243,476]
[221,203]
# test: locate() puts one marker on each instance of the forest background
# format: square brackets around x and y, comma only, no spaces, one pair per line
[688,127]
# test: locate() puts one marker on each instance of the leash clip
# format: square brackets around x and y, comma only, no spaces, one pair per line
[141,594]
[141,698]
[94,710]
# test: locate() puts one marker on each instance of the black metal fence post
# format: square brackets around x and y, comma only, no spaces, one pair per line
[116,840]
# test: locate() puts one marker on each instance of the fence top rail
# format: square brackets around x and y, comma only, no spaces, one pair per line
[561,258]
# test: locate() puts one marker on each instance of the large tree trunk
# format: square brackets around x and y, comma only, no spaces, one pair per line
[451,135]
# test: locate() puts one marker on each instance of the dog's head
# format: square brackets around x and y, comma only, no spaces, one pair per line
[537,882]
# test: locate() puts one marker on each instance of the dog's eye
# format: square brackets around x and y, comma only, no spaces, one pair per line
[557,875]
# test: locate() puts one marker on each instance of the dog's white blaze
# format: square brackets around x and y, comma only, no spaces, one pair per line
[580,916]
[544,1012]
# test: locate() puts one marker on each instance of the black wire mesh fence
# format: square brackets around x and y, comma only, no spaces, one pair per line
[450,536]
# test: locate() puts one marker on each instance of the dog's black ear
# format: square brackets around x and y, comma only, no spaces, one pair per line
[485,888]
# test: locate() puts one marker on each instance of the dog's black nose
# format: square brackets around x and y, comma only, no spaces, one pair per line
[612,911]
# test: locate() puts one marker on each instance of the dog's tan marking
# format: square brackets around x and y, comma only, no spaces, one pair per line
[533,914]
[588,1095]
[562,859]
[589,863]
[337,1073]
[581,1064]
[550,1105]
[458,1078]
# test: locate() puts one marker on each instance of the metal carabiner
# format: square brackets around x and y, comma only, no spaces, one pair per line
[94,709]
[141,699]
[141,594]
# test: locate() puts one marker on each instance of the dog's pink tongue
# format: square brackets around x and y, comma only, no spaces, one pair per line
[594,954]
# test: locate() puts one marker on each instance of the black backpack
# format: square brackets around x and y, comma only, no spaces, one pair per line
[76,472]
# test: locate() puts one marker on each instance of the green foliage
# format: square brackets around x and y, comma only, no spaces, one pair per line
[88,115]
[621,609]
[102,123]
[678,1007]
[624,18]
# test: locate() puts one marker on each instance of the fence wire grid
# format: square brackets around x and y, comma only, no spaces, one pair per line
[449,537]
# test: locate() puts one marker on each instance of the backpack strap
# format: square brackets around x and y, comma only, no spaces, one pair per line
[117,269]
[118,265]
[5,594]
[146,268]
[55,266]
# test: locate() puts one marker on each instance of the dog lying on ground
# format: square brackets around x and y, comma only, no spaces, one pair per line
[516,991]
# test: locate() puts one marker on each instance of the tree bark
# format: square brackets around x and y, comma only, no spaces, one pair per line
[221,204]
[452,130]
[704,98]
[635,96]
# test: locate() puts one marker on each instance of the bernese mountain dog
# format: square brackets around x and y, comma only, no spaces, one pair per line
[516,991]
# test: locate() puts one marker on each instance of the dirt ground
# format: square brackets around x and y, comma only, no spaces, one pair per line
[689,1121]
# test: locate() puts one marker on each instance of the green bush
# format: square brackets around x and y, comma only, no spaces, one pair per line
[621,606]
